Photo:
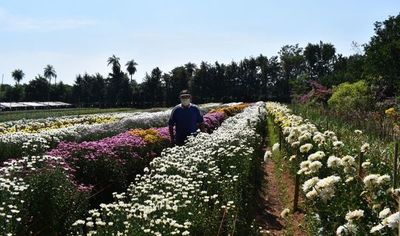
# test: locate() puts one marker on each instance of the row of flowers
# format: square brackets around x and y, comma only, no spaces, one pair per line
[82,174]
[11,144]
[346,190]
[51,123]
[197,188]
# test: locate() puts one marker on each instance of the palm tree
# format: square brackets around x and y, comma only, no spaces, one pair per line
[190,68]
[49,73]
[114,61]
[18,74]
[131,67]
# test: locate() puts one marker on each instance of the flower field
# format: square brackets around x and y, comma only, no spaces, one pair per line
[62,182]
[348,186]
[26,137]
[121,176]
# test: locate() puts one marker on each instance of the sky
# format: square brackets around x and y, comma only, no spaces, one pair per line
[77,36]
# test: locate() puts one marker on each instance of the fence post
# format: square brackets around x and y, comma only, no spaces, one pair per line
[280,138]
[360,164]
[297,183]
[396,154]
[296,193]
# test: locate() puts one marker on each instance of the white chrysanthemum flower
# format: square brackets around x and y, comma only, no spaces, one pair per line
[349,179]
[312,194]
[383,179]
[306,147]
[338,144]
[384,213]
[319,138]
[341,230]
[267,155]
[392,220]
[310,183]
[295,144]
[371,180]
[366,164]
[316,156]
[334,161]
[354,215]
[306,136]
[376,228]
[357,131]
[285,213]
[275,147]
[395,192]
[365,147]
[315,166]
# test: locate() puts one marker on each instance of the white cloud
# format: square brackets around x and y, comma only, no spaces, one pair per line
[9,22]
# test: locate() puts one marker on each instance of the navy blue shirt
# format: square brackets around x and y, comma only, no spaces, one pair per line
[186,120]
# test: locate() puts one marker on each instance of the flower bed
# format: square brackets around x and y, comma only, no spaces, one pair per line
[200,188]
[346,190]
[89,127]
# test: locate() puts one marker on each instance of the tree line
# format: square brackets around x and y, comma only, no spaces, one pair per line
[280,77]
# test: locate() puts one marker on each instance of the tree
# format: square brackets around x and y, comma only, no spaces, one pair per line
[319,59]
[151,88]
[190,68]
[118,90]
[131,68]
[382,56]
[114,61]
[18,75]
[293,66]
[49,72]
[37,89]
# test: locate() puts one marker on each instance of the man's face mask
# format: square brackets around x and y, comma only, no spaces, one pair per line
[185,101]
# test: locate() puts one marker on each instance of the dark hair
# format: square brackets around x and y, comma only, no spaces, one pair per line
[184,92]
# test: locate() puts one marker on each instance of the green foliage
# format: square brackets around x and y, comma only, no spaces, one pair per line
[52,203]
[319,59]
[351,96]
[383,55]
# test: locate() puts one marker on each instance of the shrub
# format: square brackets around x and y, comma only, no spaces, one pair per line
[350,96]
[52,203]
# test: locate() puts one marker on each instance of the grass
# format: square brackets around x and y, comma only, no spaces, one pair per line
[38,114]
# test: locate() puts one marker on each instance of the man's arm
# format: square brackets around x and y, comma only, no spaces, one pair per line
[171,123]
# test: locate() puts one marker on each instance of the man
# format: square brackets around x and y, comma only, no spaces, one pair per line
[186,117]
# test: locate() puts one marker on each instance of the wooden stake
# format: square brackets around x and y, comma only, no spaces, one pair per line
[396,156]
[296,193]
[360,164]
[280,138]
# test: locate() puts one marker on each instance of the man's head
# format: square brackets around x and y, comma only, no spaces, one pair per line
[185,97]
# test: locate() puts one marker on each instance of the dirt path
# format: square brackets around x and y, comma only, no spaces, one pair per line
[273,199]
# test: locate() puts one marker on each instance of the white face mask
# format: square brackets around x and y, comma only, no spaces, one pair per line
[185,101]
